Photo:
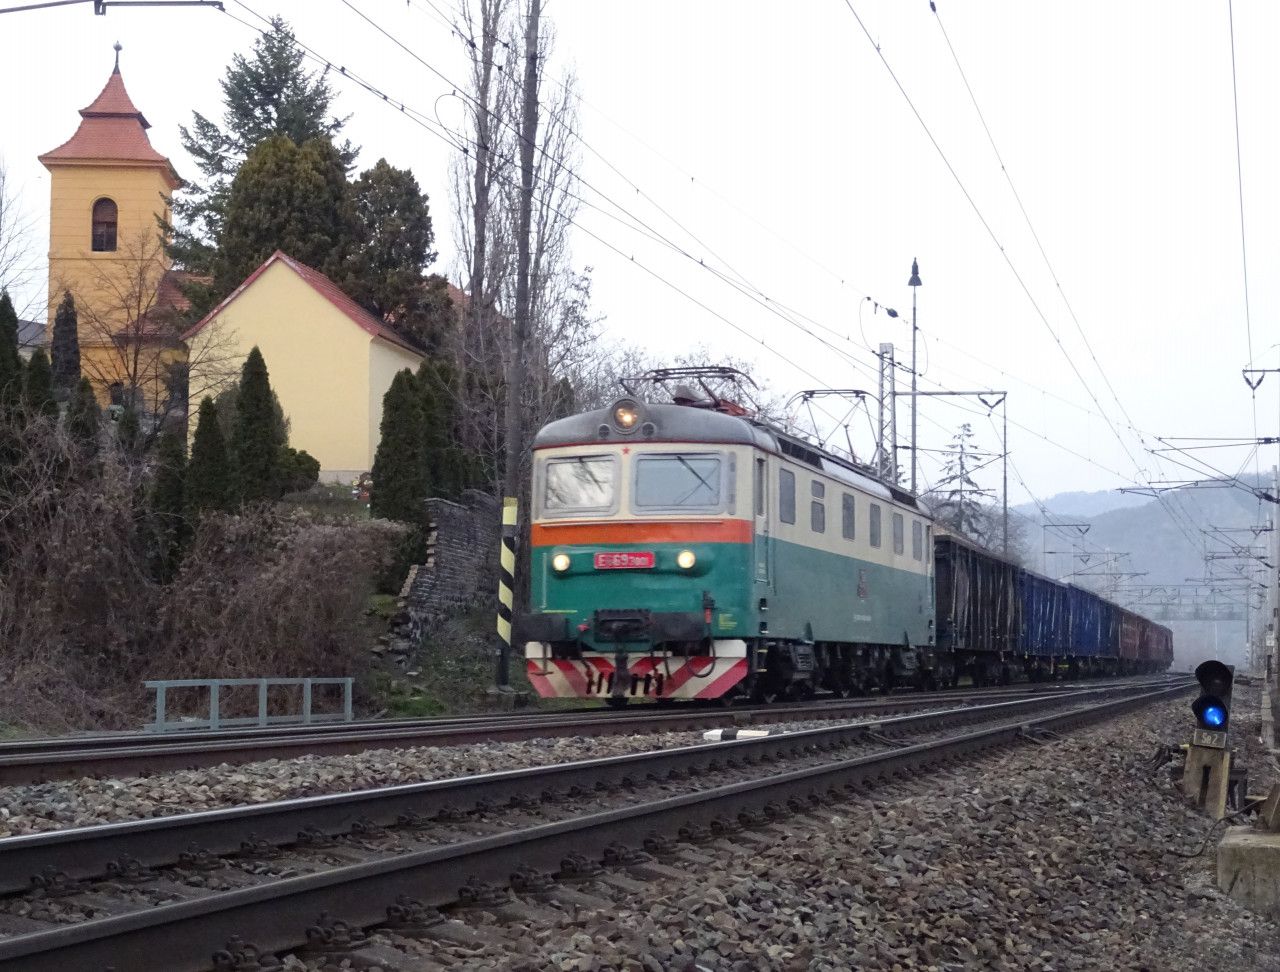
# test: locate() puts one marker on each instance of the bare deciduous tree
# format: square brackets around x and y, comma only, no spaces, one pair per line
[132,334]
[563,350]
[17,254]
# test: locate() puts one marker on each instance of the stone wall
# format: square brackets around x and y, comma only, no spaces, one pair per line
[460,570]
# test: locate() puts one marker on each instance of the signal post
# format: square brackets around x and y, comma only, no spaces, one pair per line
[1206,778]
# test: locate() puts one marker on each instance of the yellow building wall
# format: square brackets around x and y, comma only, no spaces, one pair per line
[324,367]
[139,195]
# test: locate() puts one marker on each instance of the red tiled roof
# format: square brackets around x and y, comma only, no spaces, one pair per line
[114,101]
[326,288]
[111,129]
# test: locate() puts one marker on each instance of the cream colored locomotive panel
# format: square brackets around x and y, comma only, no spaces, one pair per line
[832,539]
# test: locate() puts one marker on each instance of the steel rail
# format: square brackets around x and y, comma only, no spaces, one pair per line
[274,916]
[41,760]
[86,852]
[144,737]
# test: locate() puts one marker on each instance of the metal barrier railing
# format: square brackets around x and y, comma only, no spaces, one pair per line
[216,720]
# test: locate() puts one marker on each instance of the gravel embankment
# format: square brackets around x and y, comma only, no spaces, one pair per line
[1068,855]
[77,803]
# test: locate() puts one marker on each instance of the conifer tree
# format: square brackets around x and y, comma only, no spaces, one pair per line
[64,347]
[399,465]
[167,504]
[450,467]
[208,485]
[37,389]
[256,445]
[83,417]
[265,94]
[392,248]
[286,197]
[129,429]
[10,360]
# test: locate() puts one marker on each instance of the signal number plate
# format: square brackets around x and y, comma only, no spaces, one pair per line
[1209,738]
[624,560]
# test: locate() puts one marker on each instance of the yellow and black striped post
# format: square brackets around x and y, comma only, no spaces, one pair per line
[506,591]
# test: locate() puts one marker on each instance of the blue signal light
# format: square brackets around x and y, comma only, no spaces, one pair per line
[1213,715]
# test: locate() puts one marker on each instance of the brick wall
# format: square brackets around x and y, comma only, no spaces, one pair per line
[461,566]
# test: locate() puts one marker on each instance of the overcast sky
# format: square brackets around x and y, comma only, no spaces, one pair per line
[788,160]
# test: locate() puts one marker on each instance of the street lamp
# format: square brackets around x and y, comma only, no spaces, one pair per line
[914,284]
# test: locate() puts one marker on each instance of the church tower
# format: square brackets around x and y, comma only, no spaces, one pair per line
[107,188]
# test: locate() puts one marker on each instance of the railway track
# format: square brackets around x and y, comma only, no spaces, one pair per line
[127,754]
[182,886]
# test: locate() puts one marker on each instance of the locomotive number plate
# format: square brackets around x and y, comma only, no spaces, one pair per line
[624,560]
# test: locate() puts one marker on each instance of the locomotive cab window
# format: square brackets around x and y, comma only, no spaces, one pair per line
[899,533]
[689,482]
[579,484]
[786,496]
[873,533]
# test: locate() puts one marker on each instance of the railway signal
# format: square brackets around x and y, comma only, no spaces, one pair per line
[1207,775]
[1212,708]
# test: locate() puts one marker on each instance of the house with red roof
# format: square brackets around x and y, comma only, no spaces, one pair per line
[329,359]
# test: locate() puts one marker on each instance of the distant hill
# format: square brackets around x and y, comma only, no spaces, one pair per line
[1156,545]
[1082,504]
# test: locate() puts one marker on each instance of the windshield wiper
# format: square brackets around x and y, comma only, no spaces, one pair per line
[684,462]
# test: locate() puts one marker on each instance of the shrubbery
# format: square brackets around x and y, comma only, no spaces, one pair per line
[86,615]
[121,561]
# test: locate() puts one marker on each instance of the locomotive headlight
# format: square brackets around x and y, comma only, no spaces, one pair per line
[626,415]
[560,563]
[685,560]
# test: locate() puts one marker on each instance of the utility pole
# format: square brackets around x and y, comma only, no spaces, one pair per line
[1004,473]
[1271,638]
[914,284]
[888,444]
[520,330]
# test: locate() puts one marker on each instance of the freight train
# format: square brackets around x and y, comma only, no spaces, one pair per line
[689,550]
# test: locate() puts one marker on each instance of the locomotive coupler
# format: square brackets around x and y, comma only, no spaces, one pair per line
[621,677]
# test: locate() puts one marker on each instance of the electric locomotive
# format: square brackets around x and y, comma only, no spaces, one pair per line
[687,550]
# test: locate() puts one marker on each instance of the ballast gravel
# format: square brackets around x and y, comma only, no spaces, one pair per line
[79,803]
[1077,853]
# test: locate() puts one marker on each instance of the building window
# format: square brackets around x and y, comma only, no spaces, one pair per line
[917,540]
[899,533]
[104,226]
[847,529]
[874,532]
[786,496]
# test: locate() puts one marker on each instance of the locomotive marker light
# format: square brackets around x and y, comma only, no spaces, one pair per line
[1207,774]
[560,563]
[685,559]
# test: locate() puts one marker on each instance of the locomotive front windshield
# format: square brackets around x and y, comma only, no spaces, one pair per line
[580,483]
[677,482]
